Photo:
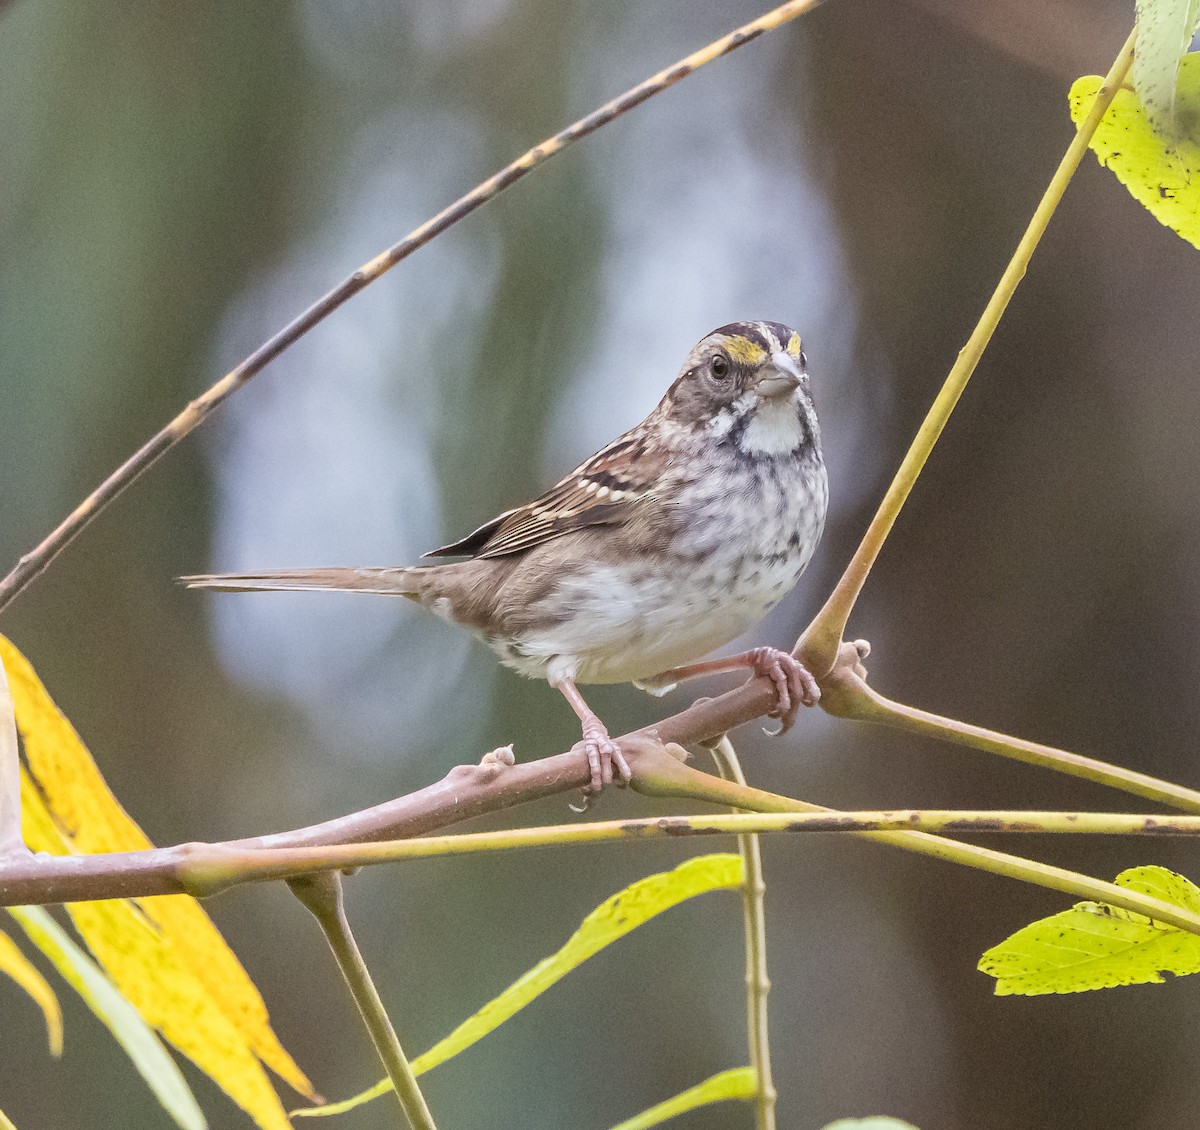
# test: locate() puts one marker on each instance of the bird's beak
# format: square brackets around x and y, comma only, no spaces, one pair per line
[778,378]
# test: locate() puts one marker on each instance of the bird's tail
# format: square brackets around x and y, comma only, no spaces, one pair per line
[390,582]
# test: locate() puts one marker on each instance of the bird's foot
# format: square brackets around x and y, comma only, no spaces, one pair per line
[604,756]
[794,684]
[602,752]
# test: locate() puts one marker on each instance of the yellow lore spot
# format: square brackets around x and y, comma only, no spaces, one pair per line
[793,347]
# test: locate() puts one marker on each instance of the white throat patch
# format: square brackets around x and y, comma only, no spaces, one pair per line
[774,428]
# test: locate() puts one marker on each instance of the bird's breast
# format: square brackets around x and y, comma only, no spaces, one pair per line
[737,545]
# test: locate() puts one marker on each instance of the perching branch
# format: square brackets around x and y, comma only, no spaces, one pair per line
[204,869]
[818,646]
[466,791]
[494,786]
[35,561]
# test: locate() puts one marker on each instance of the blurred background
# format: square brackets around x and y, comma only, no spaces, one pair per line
[177,181]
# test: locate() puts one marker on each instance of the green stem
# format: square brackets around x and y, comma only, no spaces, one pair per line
[322,894]
[761,812]
[678,780]
[282,863]
[817,647]
[758,983]
[848,696]
[207,869]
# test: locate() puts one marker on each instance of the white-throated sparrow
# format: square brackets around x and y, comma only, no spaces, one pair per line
[669,542]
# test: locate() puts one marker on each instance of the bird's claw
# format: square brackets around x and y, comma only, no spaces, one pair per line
[794,685]
[604,755]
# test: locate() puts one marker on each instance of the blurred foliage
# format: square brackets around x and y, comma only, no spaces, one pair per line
[163,954]
[130,1030]
[179,180]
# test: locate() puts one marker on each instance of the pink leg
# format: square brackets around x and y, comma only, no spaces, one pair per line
[794,683]
[602,752]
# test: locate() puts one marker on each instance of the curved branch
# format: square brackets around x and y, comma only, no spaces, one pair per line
[34,562]
[466,791]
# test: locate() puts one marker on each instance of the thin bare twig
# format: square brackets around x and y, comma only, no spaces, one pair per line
[818,646]
[846,694]
[322,894]
[37,559]
[758,983]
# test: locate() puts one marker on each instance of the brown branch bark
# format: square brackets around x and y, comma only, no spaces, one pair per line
[466,791]
[493,785]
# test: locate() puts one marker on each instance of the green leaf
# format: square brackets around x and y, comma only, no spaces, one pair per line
[1097,946]
[1164,177]
[612,919]
[115,1012]
[737,1083]
[878,1122]
[1164,30]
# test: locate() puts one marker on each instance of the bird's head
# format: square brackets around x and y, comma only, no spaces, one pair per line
[747,385]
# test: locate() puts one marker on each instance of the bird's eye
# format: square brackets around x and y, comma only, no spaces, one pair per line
[720,366]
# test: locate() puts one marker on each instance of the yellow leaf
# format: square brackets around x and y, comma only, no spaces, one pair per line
[84,809]
[1163,176]
[612,919]
[199,943]
[738,1083]
[6,1122]
[26,974]
[146,1052]
[120,936]
[152,976]
[37,825]
[194,990]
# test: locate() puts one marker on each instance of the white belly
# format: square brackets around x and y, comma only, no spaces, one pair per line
[631,624]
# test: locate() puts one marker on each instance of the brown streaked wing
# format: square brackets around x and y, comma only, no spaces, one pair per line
[474,541]
[603,491]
